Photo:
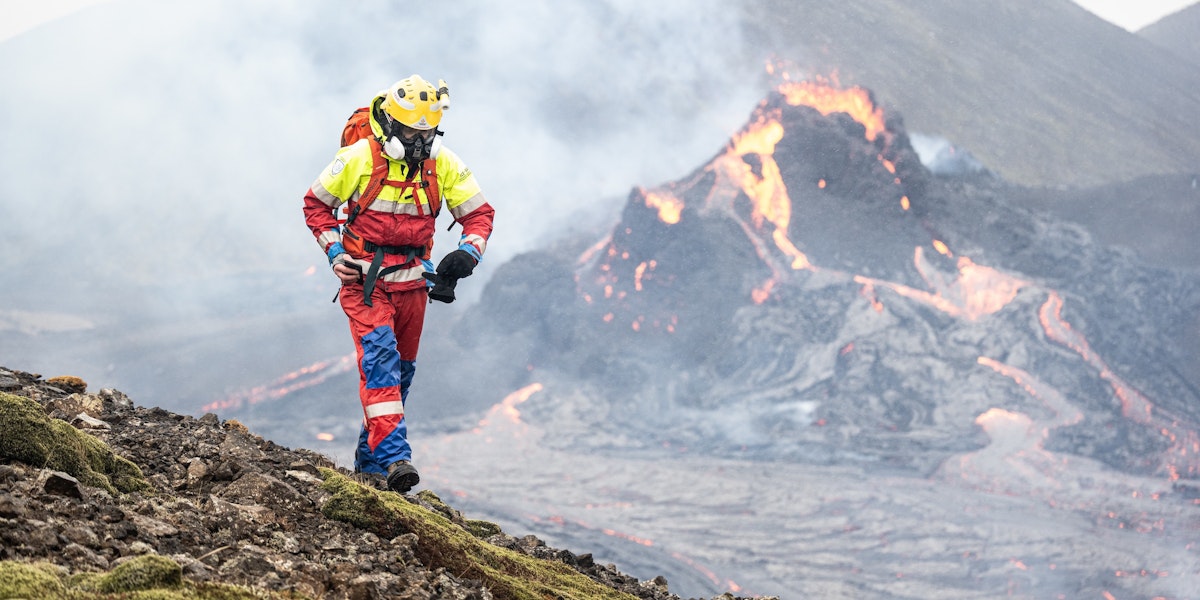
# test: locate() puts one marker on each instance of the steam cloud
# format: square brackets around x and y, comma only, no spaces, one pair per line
[190,126]
[167,147]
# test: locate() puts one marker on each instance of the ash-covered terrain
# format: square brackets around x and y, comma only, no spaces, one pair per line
[876,381]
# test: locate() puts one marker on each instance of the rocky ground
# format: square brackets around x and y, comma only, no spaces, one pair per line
[230,507]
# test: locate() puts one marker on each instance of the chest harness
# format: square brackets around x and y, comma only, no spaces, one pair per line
[359,247]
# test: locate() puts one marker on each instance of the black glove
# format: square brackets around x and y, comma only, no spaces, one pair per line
[443,287]
[456,265]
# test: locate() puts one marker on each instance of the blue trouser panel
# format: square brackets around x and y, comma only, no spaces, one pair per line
[386,336]
[380,360]
[394,445]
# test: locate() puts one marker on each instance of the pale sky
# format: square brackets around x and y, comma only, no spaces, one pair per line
[1133,14]
[18,16]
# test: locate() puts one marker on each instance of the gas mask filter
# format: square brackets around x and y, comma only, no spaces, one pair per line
[416,148]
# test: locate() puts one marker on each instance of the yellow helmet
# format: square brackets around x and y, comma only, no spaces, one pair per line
[414,102]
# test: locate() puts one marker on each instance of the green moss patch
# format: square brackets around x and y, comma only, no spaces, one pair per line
[149,577]
[508,574]
[28,435]
[146,572]
[30,580]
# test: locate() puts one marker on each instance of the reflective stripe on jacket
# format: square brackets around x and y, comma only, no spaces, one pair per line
[397,217]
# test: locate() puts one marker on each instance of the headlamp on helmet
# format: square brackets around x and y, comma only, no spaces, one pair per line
[413,104]
[416,103]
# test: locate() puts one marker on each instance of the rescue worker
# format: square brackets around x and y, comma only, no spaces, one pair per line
[381,254]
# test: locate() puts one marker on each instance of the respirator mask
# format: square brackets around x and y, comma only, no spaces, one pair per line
[412,145]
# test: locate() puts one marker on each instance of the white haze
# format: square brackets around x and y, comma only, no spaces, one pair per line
[151,120]
[150,149]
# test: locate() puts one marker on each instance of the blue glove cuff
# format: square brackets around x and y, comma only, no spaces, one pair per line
[334,250]
[472,250]
[428,264]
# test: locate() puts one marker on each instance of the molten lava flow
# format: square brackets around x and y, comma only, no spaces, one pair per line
[669,207]
[828,99]
[748,168]
[625,536]
[1017,443]
[1184,453]
[764,185]
[993,420]
[712,577]
[507,407]
[762,292]
[593,251]
[296,380]
[974,292]
[1065,413]
[868,292]
[767,192]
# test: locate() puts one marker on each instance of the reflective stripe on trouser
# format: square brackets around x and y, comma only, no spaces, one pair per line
[386,337]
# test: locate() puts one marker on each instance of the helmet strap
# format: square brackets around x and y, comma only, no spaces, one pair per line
[436,145]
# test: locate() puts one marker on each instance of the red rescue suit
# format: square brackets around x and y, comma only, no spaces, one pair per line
[401,219]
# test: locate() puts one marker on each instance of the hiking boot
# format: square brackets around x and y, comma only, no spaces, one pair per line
[402,476]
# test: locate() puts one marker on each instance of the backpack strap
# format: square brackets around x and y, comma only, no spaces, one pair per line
[379,172]
[429,183]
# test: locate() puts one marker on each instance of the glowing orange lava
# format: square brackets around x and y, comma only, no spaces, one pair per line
[299,379]
[1185,442]
[1065,413]
[827,99]
[998,417]
[640,272]
[507,407]
[669,207]
[593,250]
[974,292]
[765,189]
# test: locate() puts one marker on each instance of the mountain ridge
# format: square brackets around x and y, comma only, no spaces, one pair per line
[1026,85]
[1176,32]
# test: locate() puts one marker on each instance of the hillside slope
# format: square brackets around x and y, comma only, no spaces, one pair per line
[213,505]
[1042,91]
[1177,33]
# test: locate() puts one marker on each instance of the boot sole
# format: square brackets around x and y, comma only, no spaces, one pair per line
[401,483]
